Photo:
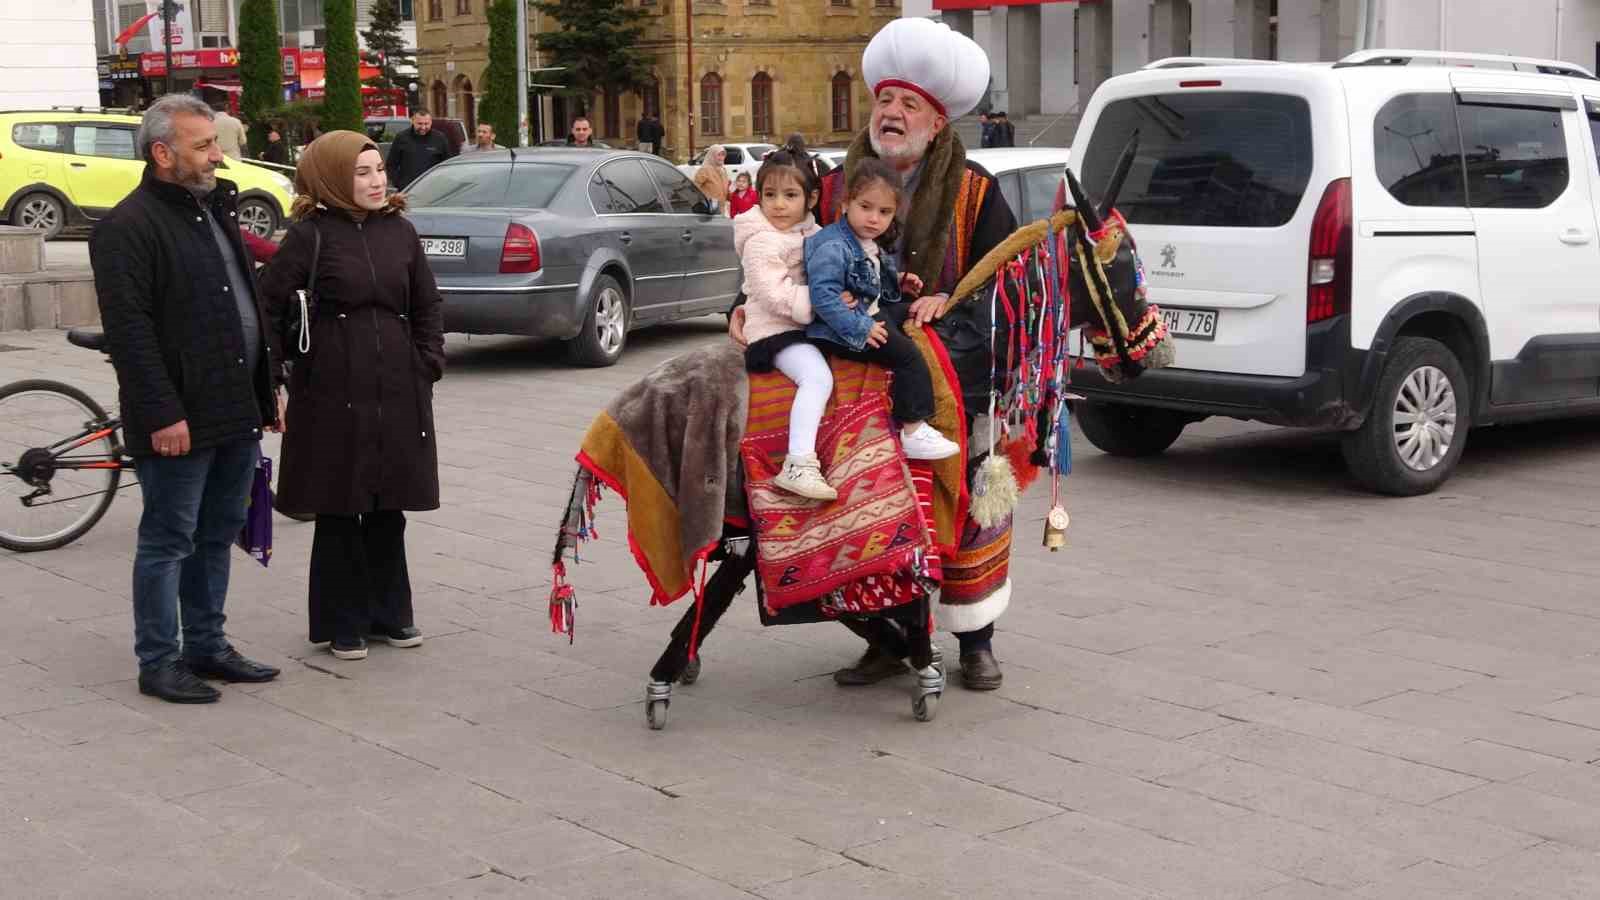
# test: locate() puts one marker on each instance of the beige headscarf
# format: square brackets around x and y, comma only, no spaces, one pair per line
[326,176]
[712,177]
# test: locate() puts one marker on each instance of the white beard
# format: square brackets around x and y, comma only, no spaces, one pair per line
[916,145]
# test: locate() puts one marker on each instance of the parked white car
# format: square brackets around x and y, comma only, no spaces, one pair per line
[1028,176]
[1400,246]
[741,158]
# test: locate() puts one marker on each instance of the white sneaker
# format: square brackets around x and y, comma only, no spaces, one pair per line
[927,443]
[802,475]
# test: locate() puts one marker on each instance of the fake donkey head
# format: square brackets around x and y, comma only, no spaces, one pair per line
[1086,250]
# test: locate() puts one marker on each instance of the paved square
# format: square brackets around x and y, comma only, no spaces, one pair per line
[1243,678]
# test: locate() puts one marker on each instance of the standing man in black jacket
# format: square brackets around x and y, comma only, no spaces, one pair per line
[184,328]
[651,135]
[416,150]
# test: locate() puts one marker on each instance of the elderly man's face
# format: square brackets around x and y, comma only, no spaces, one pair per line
[903,124]
[192,158]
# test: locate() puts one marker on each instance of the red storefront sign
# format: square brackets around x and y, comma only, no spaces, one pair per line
[294,61]
[985,4]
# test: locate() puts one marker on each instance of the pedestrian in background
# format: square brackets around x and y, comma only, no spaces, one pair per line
[416,150]
[651,135]
[361,449]
[1005,133]
[744,197]
[712,177]
[985,130]
[184,328]
[277,150]
[231,134]
[581,134]
[482,140]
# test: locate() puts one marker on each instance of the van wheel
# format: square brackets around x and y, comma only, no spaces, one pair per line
[1121,429]
[605,328]
[1417,429]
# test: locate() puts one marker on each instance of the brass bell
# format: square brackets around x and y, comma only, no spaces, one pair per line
[1055,528]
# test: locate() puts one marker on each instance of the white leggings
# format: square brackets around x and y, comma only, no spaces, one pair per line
[808,369]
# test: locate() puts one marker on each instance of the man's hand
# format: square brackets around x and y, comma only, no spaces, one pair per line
[277,427]
[848,299]
[926,309]
[878,335]
[910,284]
[736,327]
[172,440]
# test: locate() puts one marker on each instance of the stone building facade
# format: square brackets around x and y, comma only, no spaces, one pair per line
[762,70]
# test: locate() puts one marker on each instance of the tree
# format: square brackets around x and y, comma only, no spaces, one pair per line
[342,100]
[260,67]
[499,104]
[384,38]
[597,43]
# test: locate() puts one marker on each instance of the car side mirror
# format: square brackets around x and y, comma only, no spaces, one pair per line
[702,207]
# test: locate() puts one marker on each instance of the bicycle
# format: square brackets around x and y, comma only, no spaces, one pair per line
[76,476]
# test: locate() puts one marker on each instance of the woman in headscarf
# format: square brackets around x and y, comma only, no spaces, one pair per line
[712,178]
[362,448]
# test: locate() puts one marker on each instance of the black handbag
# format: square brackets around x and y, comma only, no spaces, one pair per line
[304,310]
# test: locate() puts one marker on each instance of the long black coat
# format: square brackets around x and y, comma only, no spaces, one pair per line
[171,320]
[359,434]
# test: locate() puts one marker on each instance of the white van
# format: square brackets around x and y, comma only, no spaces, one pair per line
[1401,245]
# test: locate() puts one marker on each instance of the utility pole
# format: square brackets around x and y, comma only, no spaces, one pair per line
[688,78]
[522,73]
[169,10]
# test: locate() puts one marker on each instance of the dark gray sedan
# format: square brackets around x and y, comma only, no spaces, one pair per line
[580,245]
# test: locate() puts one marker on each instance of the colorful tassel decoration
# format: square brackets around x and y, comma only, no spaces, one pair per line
[994,491]
[563,604]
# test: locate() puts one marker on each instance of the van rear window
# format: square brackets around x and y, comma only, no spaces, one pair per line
[1206,158]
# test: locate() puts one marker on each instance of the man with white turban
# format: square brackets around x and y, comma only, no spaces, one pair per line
[923,75]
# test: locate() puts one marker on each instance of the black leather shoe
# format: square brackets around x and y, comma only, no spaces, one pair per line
[173,682]
[409,636]
[980,671]
[349,648]
[874,666]
[230,665]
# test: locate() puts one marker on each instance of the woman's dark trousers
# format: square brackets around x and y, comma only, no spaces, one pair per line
[359,581]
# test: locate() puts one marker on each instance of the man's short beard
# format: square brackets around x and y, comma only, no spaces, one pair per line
[916,144]
[195,183]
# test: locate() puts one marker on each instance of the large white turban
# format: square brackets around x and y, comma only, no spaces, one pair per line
[944,66]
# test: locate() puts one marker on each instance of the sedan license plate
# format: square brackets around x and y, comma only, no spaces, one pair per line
[1200,324]
[442,246]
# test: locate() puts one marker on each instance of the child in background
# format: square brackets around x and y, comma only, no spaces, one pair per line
[743,198]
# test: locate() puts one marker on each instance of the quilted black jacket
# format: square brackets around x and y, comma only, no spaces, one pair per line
[171,321]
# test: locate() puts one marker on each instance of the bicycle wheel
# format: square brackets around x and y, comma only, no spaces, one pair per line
[60,464]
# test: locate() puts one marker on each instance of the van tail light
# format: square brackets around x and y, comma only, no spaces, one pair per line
[519,253]
[1328,294]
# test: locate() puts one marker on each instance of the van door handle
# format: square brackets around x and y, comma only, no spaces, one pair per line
[79,165]
[1577,237]
[625,237]
[688,235]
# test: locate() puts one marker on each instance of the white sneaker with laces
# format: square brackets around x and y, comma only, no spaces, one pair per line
[924,442]
[802,475]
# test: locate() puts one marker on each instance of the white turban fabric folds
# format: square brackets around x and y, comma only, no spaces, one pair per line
[946,67]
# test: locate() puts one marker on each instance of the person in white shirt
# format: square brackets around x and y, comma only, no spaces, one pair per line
[231,135]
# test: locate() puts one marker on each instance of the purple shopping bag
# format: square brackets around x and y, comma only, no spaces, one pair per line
[256,536]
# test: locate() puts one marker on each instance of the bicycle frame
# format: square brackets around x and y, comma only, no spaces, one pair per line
[53,458]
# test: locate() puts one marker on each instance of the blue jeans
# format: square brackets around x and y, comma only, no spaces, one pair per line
[194,507]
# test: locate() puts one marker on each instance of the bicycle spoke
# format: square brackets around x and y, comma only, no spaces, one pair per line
[60,459]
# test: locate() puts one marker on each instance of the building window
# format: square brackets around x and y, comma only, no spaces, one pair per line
[406,12]
[711,104]
[841,102]
[757,2]
[435,10]
[613,112]
[761,103]
[441,100]
[209,15]
[650,97]
[463,7]
[839,2]
[888,3]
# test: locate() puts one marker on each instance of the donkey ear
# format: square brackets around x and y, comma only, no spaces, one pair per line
[1087,214]
[1119,175]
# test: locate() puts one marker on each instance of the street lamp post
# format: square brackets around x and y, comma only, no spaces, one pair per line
[169,10]
[688,81]
[522,73]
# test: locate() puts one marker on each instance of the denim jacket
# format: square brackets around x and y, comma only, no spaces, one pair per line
[835,263]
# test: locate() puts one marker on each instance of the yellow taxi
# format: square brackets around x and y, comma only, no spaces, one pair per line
[63,168]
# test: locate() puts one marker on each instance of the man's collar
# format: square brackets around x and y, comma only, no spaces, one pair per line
[177,193]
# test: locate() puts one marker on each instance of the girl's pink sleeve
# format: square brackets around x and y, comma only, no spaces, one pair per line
[767,279]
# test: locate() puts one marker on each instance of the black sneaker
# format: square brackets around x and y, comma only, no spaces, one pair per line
[409,636]
[349,648]
[173,682]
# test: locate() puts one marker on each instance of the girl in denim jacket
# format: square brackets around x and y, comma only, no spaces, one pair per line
[857,305]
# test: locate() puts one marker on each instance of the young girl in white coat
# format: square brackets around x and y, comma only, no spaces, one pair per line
[770,241]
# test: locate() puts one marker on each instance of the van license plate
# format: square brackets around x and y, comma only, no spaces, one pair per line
[457,247]
[1200,324]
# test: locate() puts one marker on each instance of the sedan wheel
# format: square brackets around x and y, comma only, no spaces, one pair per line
[258,217]
[605,328]
[41,212]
